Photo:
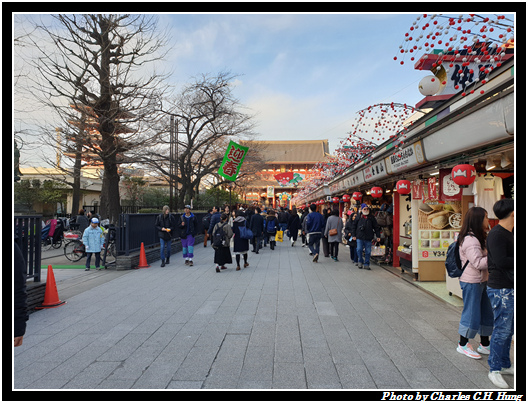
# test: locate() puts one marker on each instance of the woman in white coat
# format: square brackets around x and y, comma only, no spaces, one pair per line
[333,231]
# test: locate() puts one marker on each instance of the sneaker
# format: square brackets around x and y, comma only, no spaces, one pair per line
[97,268]
[217,269]
[187,262]
[508,371]
[311,254]
[316,258]
[360,265]
[190,263]
[483,349]
[468,351]
[496,378]
[366,267]
[88,269]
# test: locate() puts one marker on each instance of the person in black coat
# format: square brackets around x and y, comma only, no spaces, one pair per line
[188,230]
[271,229]
[348,236]
[294,225]
[215,219]
[241,246]
[20,296]
[364,227]
[165,224]
[256,225]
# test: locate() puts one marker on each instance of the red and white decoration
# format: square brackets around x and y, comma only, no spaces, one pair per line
[376,192]
[464,175]
[403,187]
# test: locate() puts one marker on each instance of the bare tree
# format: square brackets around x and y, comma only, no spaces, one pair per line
[95,77]
[208,116]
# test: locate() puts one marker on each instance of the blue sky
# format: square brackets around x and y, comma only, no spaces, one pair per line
[304,75]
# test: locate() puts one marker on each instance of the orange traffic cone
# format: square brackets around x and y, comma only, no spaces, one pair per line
[51,296]
[142,258]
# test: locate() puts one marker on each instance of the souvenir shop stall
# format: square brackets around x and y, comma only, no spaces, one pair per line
[458,155]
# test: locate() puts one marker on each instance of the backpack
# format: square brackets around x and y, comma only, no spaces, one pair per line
[453,264]
[270,227]
[219,237]
[384,218]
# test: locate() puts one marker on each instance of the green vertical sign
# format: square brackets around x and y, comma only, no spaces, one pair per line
[233,159]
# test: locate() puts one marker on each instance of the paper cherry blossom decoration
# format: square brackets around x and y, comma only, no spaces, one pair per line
[464,175]
[376,192]
[403,187]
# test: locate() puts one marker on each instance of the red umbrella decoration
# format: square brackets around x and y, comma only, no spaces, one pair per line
[403,187]
[464,175]
[376,192]
[483,38]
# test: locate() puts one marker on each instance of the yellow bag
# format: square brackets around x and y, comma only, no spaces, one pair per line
[279,236]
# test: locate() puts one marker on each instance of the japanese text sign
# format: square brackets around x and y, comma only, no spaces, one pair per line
[233,159]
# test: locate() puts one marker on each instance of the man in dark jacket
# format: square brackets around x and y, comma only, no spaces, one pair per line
[206,220]
[215,219]
[165,224]
[314,227]
[283,217]
[363,229]
[256,225]
[188,228]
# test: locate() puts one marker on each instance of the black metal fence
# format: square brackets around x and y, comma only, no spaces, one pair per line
[134,229]
[28,231]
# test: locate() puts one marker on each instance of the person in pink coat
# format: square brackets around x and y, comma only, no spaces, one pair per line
[477,314]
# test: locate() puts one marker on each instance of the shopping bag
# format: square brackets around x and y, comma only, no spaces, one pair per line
[279,236]
[377,250]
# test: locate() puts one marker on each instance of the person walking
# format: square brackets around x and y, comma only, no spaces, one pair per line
[500,247]
[314,229]
[348,236]
[364,227]
[272,225]
[304,214]
[477,314]
[241,246]
[326,247]
[166,225]
[334,233]
[206,220]
[256,225]
[222,255]
[283,217]
[188,228]
[215,219]
[93,240]
[294,225]
[265,237]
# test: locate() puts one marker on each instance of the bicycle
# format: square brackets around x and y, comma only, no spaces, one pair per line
[74,250]
[49,242]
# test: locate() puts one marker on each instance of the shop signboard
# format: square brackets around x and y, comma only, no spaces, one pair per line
[449,190]
[375,171]
[356,180]
[405,159]
[271,191]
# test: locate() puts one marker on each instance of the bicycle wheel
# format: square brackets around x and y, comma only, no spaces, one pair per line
[74,250]
[46,244]
[112,249]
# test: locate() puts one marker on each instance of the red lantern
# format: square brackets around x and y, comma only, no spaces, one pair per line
[357,196]
[346,198]
[464,175]
[376,192]
[321,202]
[403,187]
[335,200]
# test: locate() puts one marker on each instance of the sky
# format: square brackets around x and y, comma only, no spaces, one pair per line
[303,75]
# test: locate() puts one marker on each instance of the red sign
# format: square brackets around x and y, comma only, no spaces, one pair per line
[433,194]
[417,189]
[449,190]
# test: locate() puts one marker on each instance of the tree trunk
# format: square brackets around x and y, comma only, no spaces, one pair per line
[110,202]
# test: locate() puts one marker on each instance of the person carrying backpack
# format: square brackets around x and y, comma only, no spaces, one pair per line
[222,234]
[241,246]
[477,314]
[256,225]
[283,217]
[314,227]
[188,228]
[271,225]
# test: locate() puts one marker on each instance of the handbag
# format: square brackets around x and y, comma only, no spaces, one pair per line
[377,250]
[333,231]
[279,236]
[245,233]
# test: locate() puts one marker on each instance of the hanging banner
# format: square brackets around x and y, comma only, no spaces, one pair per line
[449,190]
[271,191]
[417,189]
[233,159]
[432,193]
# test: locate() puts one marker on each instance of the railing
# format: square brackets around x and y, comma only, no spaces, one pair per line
[134,229]
[28,230]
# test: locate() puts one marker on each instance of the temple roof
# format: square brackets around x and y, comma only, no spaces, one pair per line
[289,151]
